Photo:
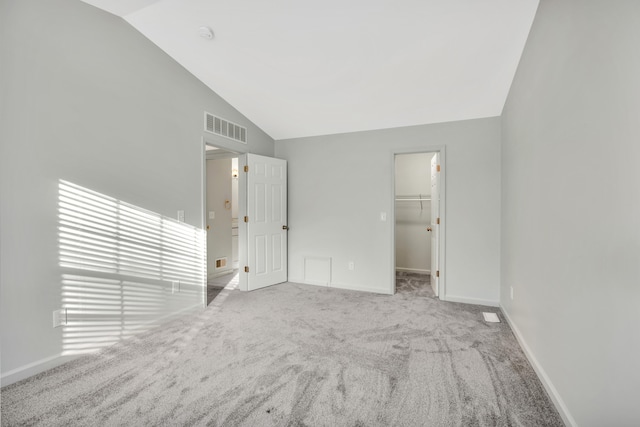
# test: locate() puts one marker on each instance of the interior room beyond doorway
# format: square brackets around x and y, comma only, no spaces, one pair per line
[221,220]
[413,221]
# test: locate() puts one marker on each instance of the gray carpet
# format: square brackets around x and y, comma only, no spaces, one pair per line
[415,284]
[217,284]
[294,355]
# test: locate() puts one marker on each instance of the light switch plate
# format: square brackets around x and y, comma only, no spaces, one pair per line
[212,215]
[383,216]
[181,216]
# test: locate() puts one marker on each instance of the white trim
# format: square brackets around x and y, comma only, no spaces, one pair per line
[351,287]
[242,210]
[442,285]
[413,270]
[303,282]
[475,301]
[344,286]
[223,143]
[220,272]
[42,365]
[35,368]
[313,283]
[203,224]
[542,375]
[217,155]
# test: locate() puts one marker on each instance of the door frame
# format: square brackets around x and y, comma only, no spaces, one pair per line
[441,149]
[242,206]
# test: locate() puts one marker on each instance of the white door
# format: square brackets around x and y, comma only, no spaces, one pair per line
[266,221]
[435,222]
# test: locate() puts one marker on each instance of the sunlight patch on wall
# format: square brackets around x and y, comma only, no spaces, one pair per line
[123,268]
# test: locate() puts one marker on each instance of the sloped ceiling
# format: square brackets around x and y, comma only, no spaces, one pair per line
[302,68]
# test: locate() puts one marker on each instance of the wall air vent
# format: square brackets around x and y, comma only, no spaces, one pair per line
[223,127]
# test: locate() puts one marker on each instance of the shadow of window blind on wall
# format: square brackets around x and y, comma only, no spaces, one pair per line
[123,268]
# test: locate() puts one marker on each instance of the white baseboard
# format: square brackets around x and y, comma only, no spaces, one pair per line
[307,282]
[351,287]
[341,286]
[544,378]
[34,368]
[313,283]
[219,273]
[301,281]
[476,301]
[413,270]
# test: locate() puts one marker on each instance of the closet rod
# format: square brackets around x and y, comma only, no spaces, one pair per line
[412,199]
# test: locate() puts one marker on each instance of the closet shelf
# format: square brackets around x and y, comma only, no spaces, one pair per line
[419,198]
[412,199]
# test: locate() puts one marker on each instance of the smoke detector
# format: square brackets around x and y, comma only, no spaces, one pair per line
[205,32]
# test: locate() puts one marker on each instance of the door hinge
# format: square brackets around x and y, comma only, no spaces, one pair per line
[246,269]
[438,168]
[437,273]
[246,219]
[246,168]
[438,221]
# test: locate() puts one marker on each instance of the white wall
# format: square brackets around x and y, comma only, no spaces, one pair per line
[413,241]
[339,184]
[219,190]
[571,207]
[88,99]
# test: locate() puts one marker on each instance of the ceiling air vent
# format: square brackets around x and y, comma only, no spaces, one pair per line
[225,128]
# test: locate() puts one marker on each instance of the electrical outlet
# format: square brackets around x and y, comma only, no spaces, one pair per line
[212,215]
[352,266]
[512,293]
[181,216]
[59,317]
[175,286]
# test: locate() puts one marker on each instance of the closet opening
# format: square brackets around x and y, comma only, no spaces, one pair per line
[418,222]
[221,220]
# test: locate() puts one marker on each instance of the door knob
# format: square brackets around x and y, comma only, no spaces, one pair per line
[284,227]
[429,229]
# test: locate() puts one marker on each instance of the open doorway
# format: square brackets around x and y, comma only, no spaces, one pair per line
[417,223]
[245,219]
[221,218]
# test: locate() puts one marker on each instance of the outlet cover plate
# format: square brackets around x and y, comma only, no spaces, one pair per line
[59,317]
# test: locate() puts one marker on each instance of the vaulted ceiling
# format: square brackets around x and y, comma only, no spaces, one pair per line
[301,68]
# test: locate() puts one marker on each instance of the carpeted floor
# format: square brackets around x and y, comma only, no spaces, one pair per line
[217,284]
[415,284]
[294,355]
